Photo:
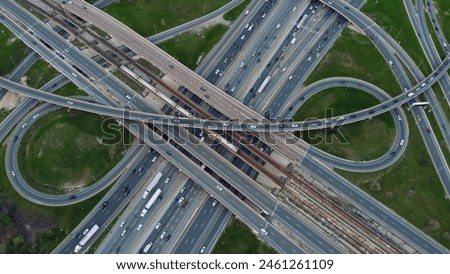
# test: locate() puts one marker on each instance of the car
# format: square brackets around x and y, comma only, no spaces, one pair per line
[214,203]
[294,8]
[290,77]
[71,197]
[167,180]
[263,231]
[168,237]
[158,225]
[429,131]
[122,223]
[15,138]
[86,231]
[219,187]
[139,227]
[126,193]
[393,153]
[242,37]
[284,69]
[233,89]
[105,203]
[203,249]
[154,159]
[168,153]
[133,171]
[147,247]
[162,235]
[76,235]
[73,73]
[13,173]
[141,168]
[180,201]
[123,232]
[202,88]
[241,65]
[36,116]
[24,125]
[128,96]
[401,142]
[278,26]
[182,189]
[252,126]
[399,117]
[217,71]
[70,102]
[125,188]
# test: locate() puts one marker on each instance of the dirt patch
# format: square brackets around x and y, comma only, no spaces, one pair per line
[210,23]
[13,99]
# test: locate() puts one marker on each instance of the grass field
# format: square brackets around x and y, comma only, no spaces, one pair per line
[348,141]
[12,50]
[233,14]
[65,151]
[392,16]
[40,73]
[238,239]
[151,17]
[70,89]
[190,48]
[410,187]
[443,12]
[30,228]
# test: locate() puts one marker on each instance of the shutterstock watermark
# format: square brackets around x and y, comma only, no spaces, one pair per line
[272,133]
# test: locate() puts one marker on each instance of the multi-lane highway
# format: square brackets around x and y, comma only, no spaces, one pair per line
[231,108]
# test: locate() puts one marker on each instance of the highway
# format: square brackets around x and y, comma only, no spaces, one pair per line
[20,70]
[373,30]
[69,54]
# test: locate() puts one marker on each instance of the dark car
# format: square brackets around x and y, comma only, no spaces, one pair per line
[105,203]
[72,197]
[168,237]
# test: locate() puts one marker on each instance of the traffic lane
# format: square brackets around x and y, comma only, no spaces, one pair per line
[372,206]
[102,215]
[194,233]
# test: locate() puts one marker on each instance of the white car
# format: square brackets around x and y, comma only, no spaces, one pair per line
[86,231]
[123,232]
[74,75]
[13,173]
[182,189]
[219,187]
[154,159]
[401,142]
[158,225]
[122,223]
[167,180]
[214,203]
[24,125]
[139,227]
[36,116]
[399,117]
[252,126]
[163,234]
[203,249]
[128,96]
[70,102]
[278,26]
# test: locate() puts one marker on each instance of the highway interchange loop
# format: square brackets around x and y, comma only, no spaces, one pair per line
[348,118]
